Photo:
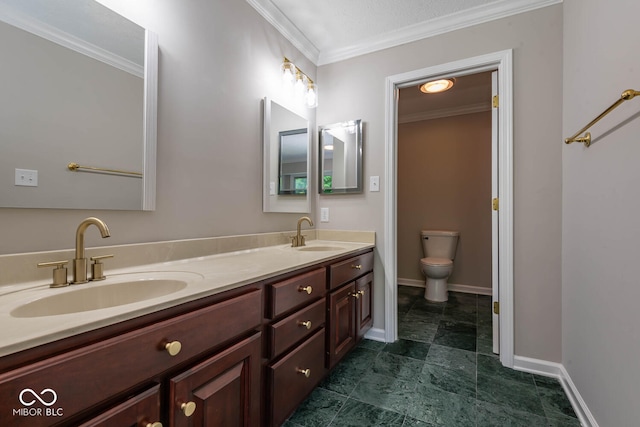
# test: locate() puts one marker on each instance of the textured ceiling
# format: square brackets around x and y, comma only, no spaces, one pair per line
[331,24]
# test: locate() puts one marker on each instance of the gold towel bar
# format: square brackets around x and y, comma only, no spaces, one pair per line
[75,167]
[586,139]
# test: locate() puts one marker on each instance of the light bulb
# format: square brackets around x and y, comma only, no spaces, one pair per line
[312,95]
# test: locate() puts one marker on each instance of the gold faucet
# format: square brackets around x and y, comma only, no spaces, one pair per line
[298,239]
[80,262]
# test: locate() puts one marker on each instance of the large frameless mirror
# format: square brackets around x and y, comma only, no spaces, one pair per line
[286,149]
[340,164]
[78,107]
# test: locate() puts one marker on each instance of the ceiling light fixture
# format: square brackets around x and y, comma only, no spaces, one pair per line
[303,87]
[436,86]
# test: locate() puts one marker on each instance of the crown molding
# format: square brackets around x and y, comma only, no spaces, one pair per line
[445,112]
[275,17]
[69,41]
[434,27]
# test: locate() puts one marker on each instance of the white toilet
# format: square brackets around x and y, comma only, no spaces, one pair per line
[439,249]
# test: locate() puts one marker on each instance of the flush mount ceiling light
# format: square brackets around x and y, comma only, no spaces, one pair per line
[303,87]
[436,86]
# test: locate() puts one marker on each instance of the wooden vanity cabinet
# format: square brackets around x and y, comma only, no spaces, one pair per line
[140,410]
[349,305]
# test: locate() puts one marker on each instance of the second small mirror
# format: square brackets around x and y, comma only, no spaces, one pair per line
[341,158]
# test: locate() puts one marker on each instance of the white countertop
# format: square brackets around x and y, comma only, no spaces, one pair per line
[205,276]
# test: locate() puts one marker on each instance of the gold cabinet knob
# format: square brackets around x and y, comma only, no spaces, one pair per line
[306,324]
[156,424]
[305,372]
[307,289]
[357,266]
[361,292]
[356,295]
[173,347]
[188,408]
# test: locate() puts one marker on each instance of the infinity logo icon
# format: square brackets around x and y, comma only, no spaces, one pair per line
[37,397]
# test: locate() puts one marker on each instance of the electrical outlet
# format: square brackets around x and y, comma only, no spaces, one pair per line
[324,214]
[26,178]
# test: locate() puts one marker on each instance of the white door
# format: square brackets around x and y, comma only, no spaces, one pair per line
[495,202]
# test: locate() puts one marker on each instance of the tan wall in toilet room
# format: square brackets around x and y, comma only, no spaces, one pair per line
[444,182]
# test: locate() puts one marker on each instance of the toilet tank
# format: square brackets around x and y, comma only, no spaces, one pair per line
[439,243]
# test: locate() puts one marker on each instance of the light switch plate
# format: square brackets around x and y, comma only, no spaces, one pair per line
[374,183]
[26,178]
[324,214]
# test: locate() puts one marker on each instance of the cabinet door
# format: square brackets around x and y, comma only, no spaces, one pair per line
[364,321]
[341,322]
[140,410]
[224,390]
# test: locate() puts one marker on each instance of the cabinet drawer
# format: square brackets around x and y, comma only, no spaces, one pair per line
[346,271]
[294,292]
[139,410]
[86,376]
[288,331]
[288,382]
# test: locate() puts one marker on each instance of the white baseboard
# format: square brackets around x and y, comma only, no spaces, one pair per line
[467,289]
[375,334]
[557,370]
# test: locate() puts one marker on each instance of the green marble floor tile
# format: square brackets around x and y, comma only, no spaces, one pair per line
[359,414]
[510,393]
[456,315]
[453,381]
[318,410]
[413,291]
[413,349]
[555,403]
[385,392]
[565,422]
[417,329]
[412,422]
[423,306]
[490,415]
[395,366]
[452,358]
[342,379]
[484,346]
[441,408]
[371,345]
[456,340]
[490,365]
[461,299]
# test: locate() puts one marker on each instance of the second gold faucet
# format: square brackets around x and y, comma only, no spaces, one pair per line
[298,239]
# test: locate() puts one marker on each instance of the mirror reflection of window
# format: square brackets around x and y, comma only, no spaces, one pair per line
[293,162]
[341,158]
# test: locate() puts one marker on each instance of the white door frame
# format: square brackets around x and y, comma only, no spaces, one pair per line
[503,62]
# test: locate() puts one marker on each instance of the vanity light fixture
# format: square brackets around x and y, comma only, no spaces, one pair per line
[436,86]
[303,87]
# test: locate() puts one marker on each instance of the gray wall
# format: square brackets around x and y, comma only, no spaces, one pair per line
[600,316]
[444,183]
[354,89]
[217,61]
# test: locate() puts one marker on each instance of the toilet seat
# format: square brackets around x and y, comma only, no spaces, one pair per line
[440,262]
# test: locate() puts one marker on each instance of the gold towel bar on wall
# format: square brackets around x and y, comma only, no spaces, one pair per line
[76,167]
[586,139]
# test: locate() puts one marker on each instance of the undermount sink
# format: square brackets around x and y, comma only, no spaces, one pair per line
[127,289]
[319,248]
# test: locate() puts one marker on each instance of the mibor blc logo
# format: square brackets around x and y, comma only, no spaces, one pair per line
[38,404]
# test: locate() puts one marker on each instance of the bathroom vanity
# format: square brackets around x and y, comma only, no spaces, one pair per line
[245,355]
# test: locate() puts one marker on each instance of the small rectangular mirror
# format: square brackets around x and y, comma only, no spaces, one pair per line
[341,158]
[286,152]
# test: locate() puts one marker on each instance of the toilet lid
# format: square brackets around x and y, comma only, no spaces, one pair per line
[436,261]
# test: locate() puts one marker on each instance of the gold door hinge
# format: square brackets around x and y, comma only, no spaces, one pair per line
[495,101]
[496,307]
[495,204]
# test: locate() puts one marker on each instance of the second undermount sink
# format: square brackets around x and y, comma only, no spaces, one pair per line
[115,291]
[319,248]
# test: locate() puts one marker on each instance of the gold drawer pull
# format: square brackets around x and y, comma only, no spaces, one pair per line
[305,372]
[356,295]
[361,293]
[156,424]
[357,267]
[306,324]
[307,289]
[188,408]
[173,347]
